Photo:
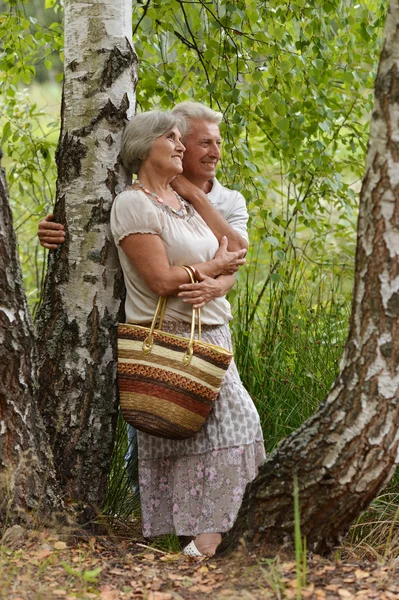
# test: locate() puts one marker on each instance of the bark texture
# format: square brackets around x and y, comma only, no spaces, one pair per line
[348,450]
[84,286]
[27,480]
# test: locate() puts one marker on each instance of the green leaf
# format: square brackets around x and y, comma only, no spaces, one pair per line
[6,132]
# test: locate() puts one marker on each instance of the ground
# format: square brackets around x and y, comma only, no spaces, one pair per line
[42,565]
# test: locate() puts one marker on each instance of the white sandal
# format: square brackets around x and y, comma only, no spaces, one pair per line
[191,550]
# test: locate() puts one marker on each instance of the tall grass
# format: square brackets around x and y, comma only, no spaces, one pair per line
[120,499]
[288,350]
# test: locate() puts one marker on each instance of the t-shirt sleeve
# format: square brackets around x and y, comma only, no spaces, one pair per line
[132,212]
[237,215]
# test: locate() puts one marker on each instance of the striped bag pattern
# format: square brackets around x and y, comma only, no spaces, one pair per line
[162,392]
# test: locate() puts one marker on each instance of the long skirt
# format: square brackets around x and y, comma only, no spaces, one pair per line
[196,486]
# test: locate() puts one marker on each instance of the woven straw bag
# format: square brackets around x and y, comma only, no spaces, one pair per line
[168,383]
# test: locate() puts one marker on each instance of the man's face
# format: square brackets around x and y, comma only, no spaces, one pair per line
[202,151]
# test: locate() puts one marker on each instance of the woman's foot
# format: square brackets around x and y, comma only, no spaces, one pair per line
[185,540]
[208,542]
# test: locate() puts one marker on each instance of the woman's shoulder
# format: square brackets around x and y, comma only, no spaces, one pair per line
[132,200]
[128,194]
[133,203]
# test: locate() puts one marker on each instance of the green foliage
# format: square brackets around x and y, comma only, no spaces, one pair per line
[26,43]
[29,134]
[294,81]
[288,336]
[86,575]
[120,501]
[300,544]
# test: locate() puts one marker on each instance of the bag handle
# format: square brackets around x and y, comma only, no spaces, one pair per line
[159,316]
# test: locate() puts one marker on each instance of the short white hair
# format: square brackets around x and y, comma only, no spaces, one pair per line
[141,132]
[195,111]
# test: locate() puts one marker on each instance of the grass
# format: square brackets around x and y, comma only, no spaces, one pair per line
[288,352]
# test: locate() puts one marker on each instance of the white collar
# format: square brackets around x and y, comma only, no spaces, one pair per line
[214,189]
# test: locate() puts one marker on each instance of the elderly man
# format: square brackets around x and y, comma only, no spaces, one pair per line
[222,209]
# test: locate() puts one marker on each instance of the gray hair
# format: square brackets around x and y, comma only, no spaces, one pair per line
[192,111]
[140,134]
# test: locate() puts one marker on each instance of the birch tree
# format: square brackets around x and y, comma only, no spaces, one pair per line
[27,480]
[345,453]
[84,287]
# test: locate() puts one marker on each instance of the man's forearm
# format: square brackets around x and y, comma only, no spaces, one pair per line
[216,222]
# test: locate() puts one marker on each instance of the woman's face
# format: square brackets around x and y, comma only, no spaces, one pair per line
[166,153]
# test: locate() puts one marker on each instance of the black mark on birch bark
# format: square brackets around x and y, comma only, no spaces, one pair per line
[100,256]
[70,152]
[112,114]
[99,214]
[117,63]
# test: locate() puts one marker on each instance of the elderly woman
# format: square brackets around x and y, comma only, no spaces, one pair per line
[192,487]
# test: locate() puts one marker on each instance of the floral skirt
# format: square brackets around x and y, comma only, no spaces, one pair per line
[196,486]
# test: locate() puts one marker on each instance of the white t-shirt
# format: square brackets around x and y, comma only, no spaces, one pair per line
[231,205]
[187,240]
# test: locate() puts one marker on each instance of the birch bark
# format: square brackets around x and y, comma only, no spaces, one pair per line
[348,450]
[84,286]
[27,481]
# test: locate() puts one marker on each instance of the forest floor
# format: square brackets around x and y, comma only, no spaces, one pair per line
[42,565]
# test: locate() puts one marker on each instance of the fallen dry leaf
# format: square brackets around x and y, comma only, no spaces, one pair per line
[203,569]
[359,574]
[170,558]
[159,596]
[107,593]
[149,556]
[42,554]
[117,572]
[60,545]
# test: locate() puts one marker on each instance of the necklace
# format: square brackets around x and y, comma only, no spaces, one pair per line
[181,212]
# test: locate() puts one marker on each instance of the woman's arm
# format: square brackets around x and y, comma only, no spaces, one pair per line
[206,289]
[148,254]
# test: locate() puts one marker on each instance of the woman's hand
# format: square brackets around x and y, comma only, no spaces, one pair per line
[202,292]
[50,234]
[229,262]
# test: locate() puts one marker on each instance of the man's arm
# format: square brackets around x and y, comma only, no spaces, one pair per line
[50,234]
[208,212]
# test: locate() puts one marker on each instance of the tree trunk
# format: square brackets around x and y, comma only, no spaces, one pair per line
[84,286]
[27,480]
[348,450]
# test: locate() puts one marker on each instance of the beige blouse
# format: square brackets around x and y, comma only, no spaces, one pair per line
[188,240]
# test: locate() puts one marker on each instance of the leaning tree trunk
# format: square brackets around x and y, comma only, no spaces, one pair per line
[84,287]
[348,450]
[27,481]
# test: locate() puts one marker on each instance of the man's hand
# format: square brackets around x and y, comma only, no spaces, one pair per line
[50,234]
[200,293]
[229,262]
[184,187]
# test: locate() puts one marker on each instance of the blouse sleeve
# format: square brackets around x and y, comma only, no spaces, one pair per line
[133,212]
